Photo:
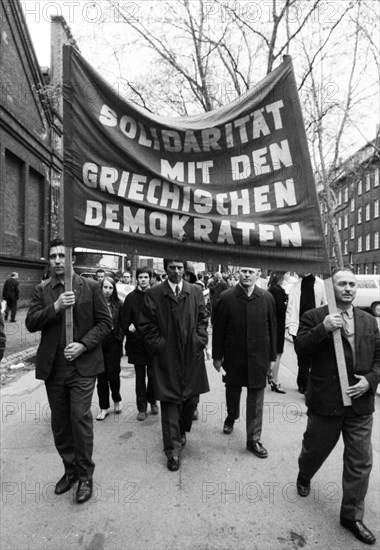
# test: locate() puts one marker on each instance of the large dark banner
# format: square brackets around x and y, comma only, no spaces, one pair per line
[234,185]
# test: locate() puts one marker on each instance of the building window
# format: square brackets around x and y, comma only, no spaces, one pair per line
[325,228]
[360,214]
[375,269]
[358,270]
[350,258]
[339,223]
[352,232]
[367,212]
[360,187]
[368,241]
[345,247]
[345,194]
[376,178]
[345,221]
[368,182]
[366,269]
[376,240]
[376,208]
[352,205]
[339,197]
[359,244]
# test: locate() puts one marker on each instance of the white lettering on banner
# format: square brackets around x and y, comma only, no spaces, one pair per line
[260,122]
[182,171]
[165,194]
[159,224]
[279,156]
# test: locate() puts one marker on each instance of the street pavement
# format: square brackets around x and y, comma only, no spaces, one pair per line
[223,497]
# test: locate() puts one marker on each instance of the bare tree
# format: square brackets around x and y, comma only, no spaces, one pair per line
[203,54]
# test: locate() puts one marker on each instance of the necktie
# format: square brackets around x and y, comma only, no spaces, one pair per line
[177,291]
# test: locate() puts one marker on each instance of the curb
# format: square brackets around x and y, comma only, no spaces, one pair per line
[18,357]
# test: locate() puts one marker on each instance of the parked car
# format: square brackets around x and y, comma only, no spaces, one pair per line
[368,293]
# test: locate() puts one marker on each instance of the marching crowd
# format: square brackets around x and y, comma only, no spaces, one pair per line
[164,321]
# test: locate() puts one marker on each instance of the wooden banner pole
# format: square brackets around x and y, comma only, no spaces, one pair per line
[69,286]
[338,344]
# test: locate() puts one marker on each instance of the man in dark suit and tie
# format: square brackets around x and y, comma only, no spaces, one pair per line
[327,416]
[69,371]
[173,322]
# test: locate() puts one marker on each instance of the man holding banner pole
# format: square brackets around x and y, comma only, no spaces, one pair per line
[69,369]
[328,416]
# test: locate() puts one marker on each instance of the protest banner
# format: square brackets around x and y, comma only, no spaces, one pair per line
[234,185]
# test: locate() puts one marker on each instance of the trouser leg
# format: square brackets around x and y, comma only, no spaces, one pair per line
[233,394]
[140,387]
[103,391]
[13,309]
[321,436]
[81,389]
[150,394]
[113,370]
[186,413]
[59,400]
[171,433]
[357,464]
[254,413]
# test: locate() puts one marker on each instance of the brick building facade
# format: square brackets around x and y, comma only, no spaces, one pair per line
[30,149]
[357,192]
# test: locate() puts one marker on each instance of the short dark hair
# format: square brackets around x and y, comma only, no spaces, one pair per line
[55,242]
[143,269]
[167,261]
[100,270]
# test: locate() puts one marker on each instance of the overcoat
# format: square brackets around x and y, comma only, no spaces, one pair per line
[175,333]
[280,300]
[324,394]
[244,336]
[11,289]
[130,314]
[92,323]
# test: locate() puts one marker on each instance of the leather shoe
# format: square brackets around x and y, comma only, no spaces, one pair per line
[256,448]
[228,429]
[183,440]
[303,486]
[173,463]
[154,409]
[360,531]
[84,491]
[65,483]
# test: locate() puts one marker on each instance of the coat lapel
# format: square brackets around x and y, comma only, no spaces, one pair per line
[360,322]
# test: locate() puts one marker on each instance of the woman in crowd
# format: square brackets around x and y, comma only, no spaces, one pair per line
[112,351]
[280,299]
[137,354]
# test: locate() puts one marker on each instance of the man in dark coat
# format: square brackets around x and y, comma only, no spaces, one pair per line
[70,370]
[2,337]
[244,344]
[135,346]
[11,294]
[327,416]
[174,324]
